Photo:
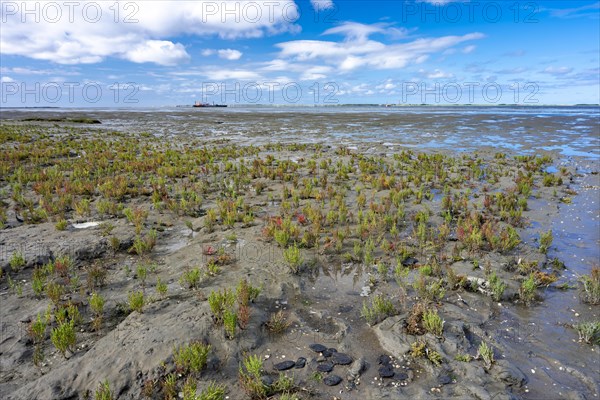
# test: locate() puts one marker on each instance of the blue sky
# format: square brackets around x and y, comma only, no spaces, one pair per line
[160,53]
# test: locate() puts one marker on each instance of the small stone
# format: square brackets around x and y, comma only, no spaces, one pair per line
[345,308]
[332,380]
[284,365]
[387,371]
[402,376]
[357,367]
[300,362]
[384,359]
[341,359]
[409,262]
[329,352]
[267,380]
[317,348]
[444,379]
[325,367]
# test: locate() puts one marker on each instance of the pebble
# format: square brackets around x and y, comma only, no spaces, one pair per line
[357,367]
[341,359]
[387,371]
[402,376]
[409,262]
[284,365]
[332,380]
[325,367]
[345,308]
[384,359]
[443,379]
[329,352]
[300,362]
[318,348]
[267,380]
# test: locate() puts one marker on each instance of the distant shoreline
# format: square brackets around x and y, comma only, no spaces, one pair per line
[365,105]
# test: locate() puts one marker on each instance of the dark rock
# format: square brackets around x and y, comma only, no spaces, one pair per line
[387,371]
[213,363]
[443,379]
[341,359]
[402,376]
[345,308]
[284,365]
[300,362]
[42,259]
[267,380]
[329,352]
[325,367]
[509,373]
[332,380]
[384,359]
[410,261]
[318,348]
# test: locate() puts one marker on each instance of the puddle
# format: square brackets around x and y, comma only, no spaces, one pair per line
[85,225]
[536,337]
[176,240]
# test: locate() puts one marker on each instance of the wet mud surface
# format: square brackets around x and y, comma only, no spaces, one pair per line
[537,353]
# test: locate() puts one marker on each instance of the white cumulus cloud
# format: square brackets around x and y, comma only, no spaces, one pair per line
[229,54]
[359,51]
[320,5]
[469,49]
[436,74]
[88,32]
[158,51]
[558,70]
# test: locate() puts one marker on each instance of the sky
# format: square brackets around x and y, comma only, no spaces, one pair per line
[304,52]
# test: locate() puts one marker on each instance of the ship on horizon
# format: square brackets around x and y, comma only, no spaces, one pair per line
[199,104]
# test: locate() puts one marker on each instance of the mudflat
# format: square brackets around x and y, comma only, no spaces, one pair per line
[316,254]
